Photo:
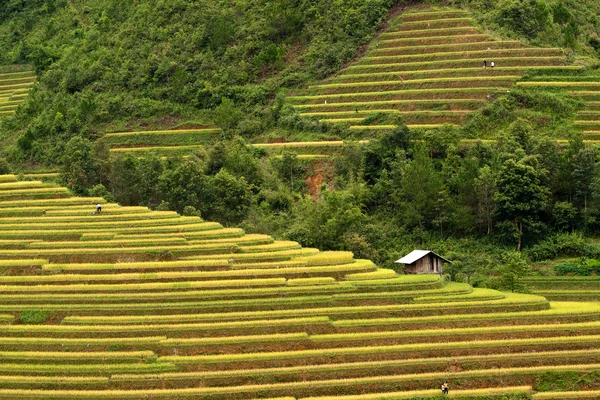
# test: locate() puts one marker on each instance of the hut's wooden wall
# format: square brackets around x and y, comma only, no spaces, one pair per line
[430,264]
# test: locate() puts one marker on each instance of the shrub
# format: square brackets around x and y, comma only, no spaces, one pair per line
[582,268]
[525,17]
[101,191]
[190,211]
[4,167]
[34,316]
[566,244]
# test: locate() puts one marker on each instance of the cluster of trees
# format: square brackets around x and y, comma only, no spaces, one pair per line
[383,198]
[571,24]
[217,187]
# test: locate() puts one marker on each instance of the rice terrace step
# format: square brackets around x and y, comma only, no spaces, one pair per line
[15,83]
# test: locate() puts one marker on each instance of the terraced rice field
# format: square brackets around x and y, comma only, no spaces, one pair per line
[15,83]
[584,86]
[567,288]
[139,304]
[165,142]
[316,150]
[426,69]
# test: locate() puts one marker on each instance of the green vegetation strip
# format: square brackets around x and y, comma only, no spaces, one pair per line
[574,327]
[353,105]
[37,381]
[159,215]
[362,114]
[550,279]
[591,394]
[33,194]
[432,32]
[477,294]
[107,209]
[21,301]
[64,202]
[305,144]
[487,393]
[380,273]
[381,95]
[64,356]
[390,379]
[132,265]
[537,62]
[344,268]
[221,248]
[414,82]
[23,263]
[160,329]
[44,341]
[590,84]
[91,223]
[144,286]
[21,185]
[328,311]
[387,48]
[156,148]
[216,341]
[86,369]
[275,246]
[111,243]
[543,357]
[499,53]
[253,239]
[203,392]
[215,233]
[249,293]
[557,309]
[269,255]
[492,393]
[154,394]
[163,132]
[373,350]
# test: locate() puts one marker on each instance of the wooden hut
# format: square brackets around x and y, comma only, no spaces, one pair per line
[423,262]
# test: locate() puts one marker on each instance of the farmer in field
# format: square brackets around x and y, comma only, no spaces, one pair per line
[484,64]
[492,65]
[445,388]
[98,208]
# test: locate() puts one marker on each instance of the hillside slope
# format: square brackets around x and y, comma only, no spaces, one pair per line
[430,67]
[113,65]
[108,66]
[88,311]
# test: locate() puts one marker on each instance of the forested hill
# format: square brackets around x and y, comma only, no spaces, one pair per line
[105,61]
[105,64]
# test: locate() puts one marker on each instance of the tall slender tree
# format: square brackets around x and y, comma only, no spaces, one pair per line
[520,197]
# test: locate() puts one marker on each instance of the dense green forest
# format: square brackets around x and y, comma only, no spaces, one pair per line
[105,65]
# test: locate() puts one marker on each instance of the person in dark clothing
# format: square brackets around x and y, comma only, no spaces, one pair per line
[484,64]
[98,208]
[445,388]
